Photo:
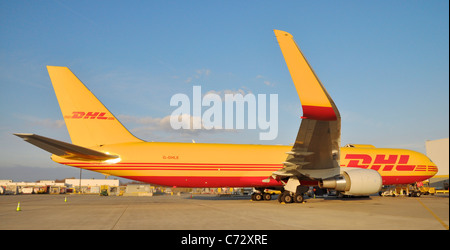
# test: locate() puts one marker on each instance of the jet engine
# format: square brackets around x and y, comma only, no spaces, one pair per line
[355,181]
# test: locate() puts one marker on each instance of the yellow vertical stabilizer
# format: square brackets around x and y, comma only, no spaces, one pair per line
[88,121]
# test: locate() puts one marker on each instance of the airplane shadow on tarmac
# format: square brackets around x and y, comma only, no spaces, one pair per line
[219,197]
[274,197]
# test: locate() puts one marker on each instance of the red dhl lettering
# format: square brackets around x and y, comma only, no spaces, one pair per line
[88,115]
[384,163]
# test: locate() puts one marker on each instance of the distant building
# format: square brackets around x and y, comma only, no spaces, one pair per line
[91,182]
[438,152]
[88,186]
[92,186]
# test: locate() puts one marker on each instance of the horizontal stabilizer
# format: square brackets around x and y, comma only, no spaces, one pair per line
[64,149]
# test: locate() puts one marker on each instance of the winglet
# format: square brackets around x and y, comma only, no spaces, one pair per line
[316,103]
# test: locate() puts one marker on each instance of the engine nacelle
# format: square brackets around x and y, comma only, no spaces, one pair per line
[355,181]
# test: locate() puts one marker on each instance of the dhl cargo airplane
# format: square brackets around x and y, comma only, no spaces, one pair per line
[101,143]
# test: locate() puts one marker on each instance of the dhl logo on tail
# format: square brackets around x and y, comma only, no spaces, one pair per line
[88,115]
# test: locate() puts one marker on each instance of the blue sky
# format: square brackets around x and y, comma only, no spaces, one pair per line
[385,64]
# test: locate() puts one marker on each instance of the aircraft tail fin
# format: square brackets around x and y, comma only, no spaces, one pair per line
[64,149]
[88,121]
[316,102]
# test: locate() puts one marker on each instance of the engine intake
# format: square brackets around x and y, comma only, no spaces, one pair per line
[355,181]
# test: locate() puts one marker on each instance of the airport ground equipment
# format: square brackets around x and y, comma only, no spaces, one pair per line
[412,190]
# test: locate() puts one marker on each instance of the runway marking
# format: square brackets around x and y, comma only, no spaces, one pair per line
[434,215]
[118,219]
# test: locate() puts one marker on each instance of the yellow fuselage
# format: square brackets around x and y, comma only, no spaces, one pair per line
[230,165]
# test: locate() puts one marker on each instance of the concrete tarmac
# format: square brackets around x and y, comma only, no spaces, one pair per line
[206,212]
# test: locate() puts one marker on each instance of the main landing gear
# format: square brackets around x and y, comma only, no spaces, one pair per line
[284,197]
[289,197]
[292,192]
[261,196]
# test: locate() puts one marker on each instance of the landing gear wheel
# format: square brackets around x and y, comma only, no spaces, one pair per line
[298,198]
[280,196]
[267,196]
[257,197]
[287,198]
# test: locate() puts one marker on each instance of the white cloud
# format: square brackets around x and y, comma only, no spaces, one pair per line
[155,128]
[222,93]
[202,72]
[199,73]
[265,81]
[149,123]
[227,91]
[42,122]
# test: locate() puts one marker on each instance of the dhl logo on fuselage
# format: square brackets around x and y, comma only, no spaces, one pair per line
[384,162]
[88,115]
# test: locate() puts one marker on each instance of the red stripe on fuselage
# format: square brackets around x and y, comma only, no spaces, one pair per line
[397,180]
[176,166]
[171,163]
[194,181]
[213,181]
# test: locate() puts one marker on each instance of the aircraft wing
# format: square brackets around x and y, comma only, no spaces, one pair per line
[316,151]
[64,149]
